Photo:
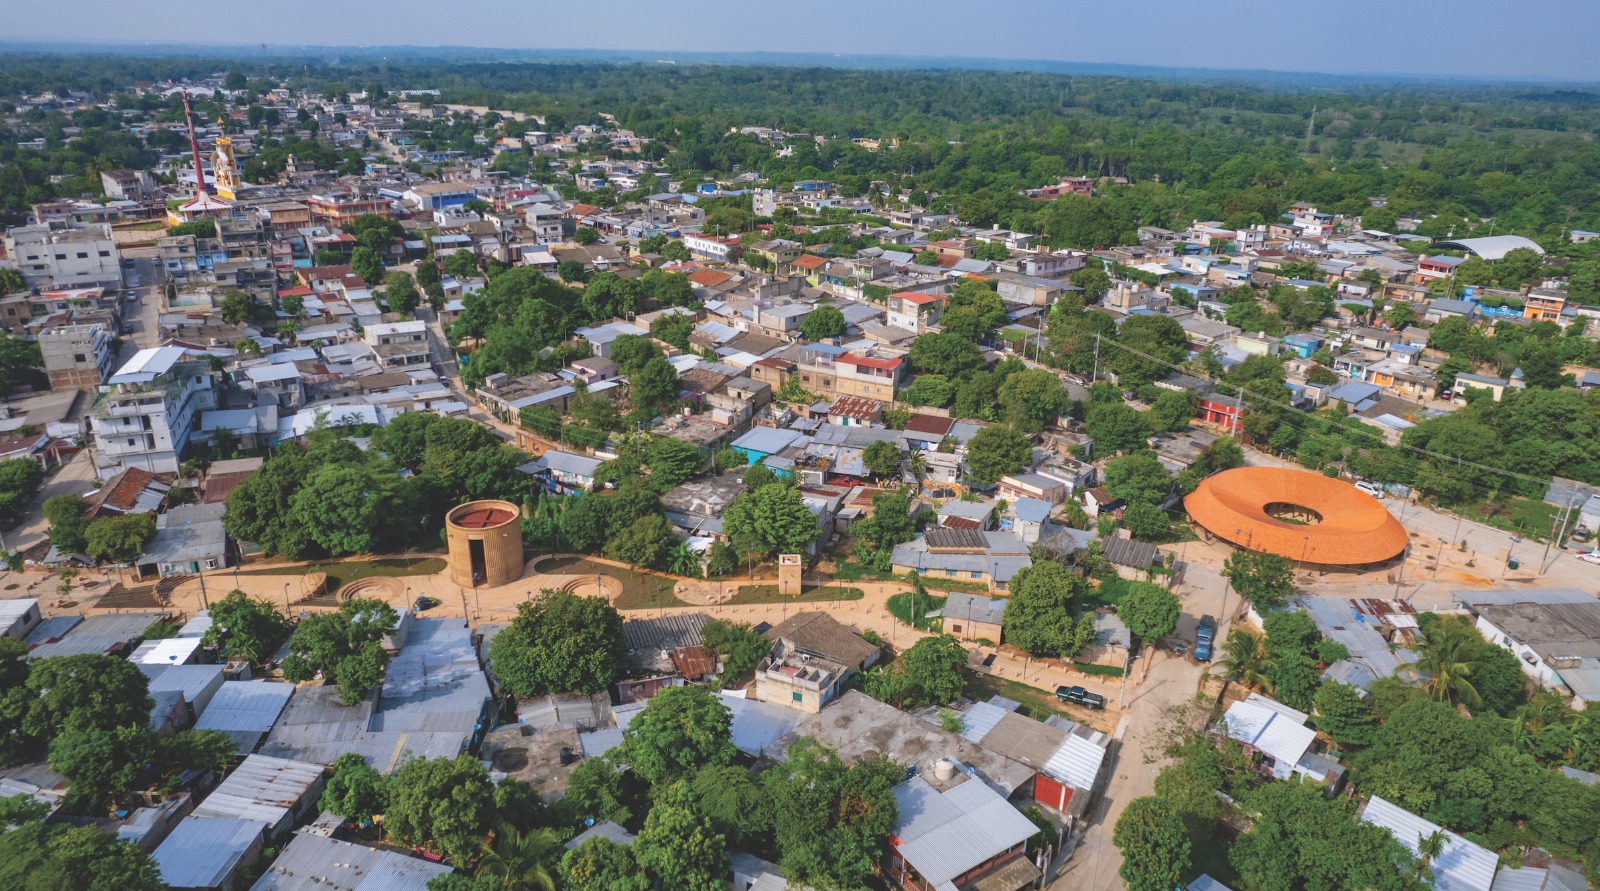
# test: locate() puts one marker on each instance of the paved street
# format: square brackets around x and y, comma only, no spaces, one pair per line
[76,478]
[1164,680]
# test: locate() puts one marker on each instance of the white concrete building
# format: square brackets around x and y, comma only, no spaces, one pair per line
[77,355]
[59,255]
[147,414]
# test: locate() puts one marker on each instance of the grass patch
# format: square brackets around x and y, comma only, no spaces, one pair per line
[1105,671]
[900,608]
[342,572]
[1525,516]
[851,571]
[938,584]
[758,594]
[1035,703]
[1110,591]
[639,590]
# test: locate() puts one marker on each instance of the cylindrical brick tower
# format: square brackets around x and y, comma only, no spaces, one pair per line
[485,543]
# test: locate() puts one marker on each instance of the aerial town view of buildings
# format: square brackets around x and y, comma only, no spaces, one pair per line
[619,474]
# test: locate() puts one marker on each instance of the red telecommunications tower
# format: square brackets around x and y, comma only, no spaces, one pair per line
[194,148]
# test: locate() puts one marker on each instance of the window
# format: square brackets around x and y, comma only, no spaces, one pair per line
[83,255]
[796,697]
[955,629]
[105,253]
[977,574]
[79,357]
[130,442]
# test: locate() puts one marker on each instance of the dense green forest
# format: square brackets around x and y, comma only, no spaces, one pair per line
[1475,157]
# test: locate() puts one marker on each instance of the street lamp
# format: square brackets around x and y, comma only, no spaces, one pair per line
[286,598]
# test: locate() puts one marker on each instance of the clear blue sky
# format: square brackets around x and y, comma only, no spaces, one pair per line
[1482,38]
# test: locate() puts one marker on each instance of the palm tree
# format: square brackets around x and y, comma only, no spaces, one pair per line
[683,561]
[1429,847]
[521,860]
[1448,658]
[918,462]
[1245,657]
[1534,718]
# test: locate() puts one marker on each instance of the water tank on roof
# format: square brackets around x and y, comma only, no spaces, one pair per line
[944,769]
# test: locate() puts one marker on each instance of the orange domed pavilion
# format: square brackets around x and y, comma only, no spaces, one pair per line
[1296,514]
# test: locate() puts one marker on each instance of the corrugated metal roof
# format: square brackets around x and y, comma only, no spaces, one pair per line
[1582,776]
[317,863]
[197,683]
[1207,883]
[605,829]
[12,610]
[96,635]
[665,632]
[1525,879]
[262,789]
[1270,731]
[167,651]
[979,719]
[204,852]
[246,706]
[397,872]
[598,742]
[1077,763]
[1461,866]
[944,835]
[434,683]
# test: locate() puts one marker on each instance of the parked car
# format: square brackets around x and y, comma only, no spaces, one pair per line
[425,603]
[1205,636]
[1371,488]
[1080,696]
[1590,556]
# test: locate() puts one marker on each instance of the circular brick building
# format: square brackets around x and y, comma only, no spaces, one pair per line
[1304,516]
[485,543]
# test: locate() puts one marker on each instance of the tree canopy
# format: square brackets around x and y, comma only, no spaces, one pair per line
[558,643]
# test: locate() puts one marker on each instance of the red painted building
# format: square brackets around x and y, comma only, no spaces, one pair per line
[1217,410]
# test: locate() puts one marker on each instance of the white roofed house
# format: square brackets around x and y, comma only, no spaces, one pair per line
[600,337]
[189,539]
[954,831]
[565,473]
[1280,734]
[399,344]
[145,417]
[277,383]
[1460,866]
[208,852]
[968,554]
[1069,758]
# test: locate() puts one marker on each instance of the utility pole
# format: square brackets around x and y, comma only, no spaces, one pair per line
[1094,373]
[1127,667]
[1557,527]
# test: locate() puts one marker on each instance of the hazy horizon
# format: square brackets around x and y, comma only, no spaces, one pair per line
[1472,40]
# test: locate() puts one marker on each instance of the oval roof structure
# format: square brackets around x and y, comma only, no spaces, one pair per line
[1490,247]
[1355,528]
